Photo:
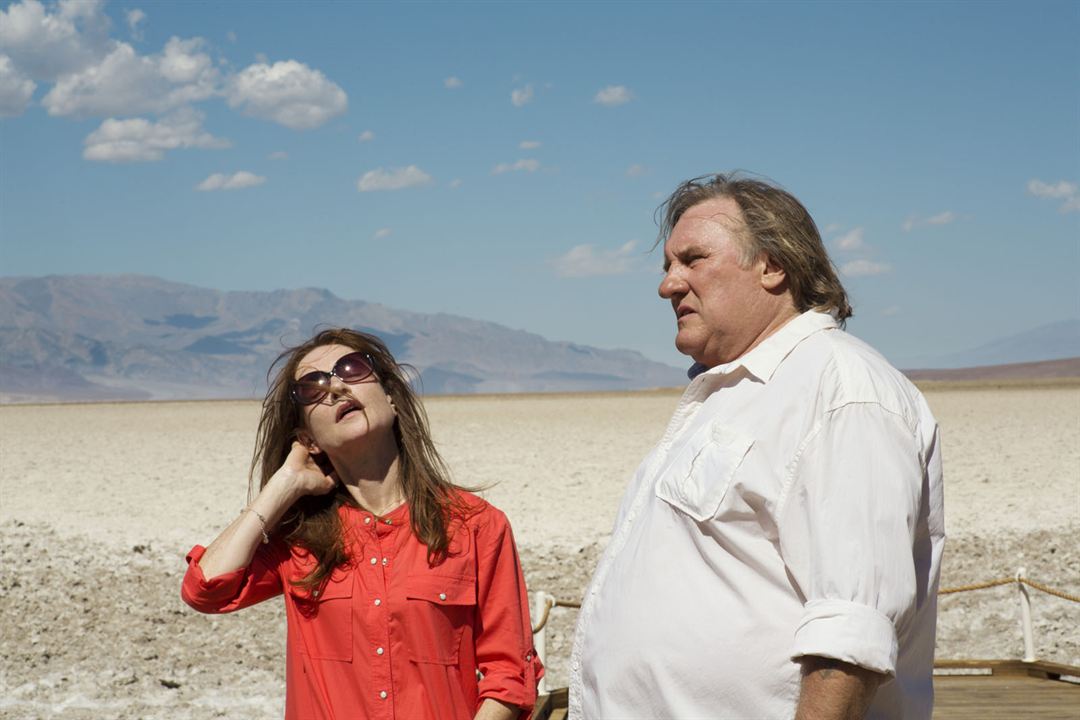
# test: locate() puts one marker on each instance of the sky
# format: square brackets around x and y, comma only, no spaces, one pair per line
[505,161]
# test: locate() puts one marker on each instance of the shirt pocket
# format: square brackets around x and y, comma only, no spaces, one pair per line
[698,478]
[437,610]
[324,619]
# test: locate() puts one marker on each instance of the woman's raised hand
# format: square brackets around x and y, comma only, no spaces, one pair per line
[301,474]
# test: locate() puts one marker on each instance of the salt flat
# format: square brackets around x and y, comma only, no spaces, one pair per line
[99,502]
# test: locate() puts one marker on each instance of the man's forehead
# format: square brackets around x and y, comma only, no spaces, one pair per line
[698,223]
[722,210]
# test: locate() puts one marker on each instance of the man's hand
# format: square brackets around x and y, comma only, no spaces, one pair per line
[834,690]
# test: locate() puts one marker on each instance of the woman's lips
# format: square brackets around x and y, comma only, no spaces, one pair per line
[346,408]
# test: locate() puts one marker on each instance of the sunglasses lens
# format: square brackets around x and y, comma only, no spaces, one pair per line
[311,388]
[352,368]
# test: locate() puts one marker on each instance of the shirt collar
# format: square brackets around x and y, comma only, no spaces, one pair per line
[762,361]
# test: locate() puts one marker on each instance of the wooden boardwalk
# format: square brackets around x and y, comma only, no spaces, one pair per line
[1004,690]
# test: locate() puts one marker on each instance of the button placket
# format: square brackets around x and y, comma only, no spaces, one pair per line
[381,562]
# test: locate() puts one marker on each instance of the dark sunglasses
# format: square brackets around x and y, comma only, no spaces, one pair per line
[313,387]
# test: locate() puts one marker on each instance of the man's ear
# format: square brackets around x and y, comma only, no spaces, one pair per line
[772,275]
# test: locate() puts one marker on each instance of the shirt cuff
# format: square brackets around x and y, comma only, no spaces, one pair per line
[514,688]
[848,632]
[208,595]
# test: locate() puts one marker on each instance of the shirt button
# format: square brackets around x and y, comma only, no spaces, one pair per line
[378,602]
[367,521]
[378,651]
[382,694]
[575,664]
[374,560]
[385,561]
[442,596]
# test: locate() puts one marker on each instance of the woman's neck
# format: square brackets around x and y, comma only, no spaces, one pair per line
[373,477]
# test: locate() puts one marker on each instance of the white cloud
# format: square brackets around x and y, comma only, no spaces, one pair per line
[236,181]
[1061,190]
[523,165]
[942,218]
[45,44]
[832,227]
[862,268]
[455,183]
[139,140]
[452,83]
[392,179]
[288,92]
[891,311]
[382,233]
[366,136]
[125,83]
[529,144]
[231,36]
[636,171]
[851,240]
[16,89]
[522,96]
[278,155]
[589,260]
[613,95]
[135,18]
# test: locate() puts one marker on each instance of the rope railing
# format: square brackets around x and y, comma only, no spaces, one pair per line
[544,603]
[553,602]
[1010,581]
[549,603]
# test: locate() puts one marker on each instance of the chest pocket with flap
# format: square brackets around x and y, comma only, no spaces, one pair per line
[698,478]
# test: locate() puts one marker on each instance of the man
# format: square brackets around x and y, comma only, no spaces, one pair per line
[777,554]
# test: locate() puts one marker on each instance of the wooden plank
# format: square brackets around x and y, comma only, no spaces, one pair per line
[1016,689]
[1004,697]
[1035,668]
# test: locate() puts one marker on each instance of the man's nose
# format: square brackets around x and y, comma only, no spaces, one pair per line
[672,285]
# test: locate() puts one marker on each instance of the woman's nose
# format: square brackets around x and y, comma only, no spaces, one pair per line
[337,387]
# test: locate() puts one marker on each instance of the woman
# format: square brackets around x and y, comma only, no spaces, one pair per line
[403,593]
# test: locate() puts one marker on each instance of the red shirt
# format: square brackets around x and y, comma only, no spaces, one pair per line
[388,636]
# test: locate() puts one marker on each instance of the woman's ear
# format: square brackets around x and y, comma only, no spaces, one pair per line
[393,407]
[305,439]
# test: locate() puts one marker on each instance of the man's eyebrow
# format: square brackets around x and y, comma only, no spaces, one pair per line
[694,250]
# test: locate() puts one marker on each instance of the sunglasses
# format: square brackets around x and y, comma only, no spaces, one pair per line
[313,387]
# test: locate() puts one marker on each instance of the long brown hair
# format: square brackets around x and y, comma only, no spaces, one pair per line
[776,224]
[313,522]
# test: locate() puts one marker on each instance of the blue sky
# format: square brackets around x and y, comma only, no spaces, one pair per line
[503,161]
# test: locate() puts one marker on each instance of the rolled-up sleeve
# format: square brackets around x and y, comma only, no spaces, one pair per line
[846,527]
[243,587]
[504,649]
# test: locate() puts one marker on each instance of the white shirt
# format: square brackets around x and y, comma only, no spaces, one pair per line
[793,507]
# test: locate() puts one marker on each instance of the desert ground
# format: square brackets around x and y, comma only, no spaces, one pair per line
[100,502]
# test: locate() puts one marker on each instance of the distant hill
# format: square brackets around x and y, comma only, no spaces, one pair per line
[94,337]
[1047,370]
[1053,341]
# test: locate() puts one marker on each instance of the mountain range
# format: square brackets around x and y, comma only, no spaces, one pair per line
[127,337]
[134,337]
